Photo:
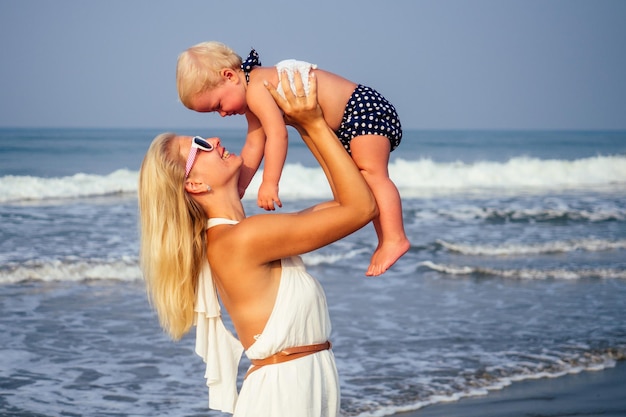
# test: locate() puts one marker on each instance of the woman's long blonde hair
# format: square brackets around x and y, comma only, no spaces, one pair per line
[173,239]
[198,68]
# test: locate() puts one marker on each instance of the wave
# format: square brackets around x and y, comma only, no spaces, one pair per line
[319,258]
[126,268]
[27,188]
[481,383]
[466,212]
[512,249]
[414,178]
[526,273]
[518,173]
[74,270]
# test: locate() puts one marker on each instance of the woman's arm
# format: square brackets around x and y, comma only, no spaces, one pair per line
[274,236]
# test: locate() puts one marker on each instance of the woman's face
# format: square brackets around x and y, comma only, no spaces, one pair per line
[208,166]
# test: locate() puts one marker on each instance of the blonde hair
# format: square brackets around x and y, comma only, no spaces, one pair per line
[173,241]
[198,68]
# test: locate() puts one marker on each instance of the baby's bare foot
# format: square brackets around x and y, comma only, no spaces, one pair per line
[386,255]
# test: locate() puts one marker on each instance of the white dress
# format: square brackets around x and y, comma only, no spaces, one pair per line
[304,387]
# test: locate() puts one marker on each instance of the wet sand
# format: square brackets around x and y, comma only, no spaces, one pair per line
[589,394]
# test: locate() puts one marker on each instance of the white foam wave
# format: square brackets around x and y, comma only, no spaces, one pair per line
[27,188]
[527,274]
[413,178]
[599,213]
[517,173]
[124,269]
[512,249]
[480,387]
[317,258]
[296,182]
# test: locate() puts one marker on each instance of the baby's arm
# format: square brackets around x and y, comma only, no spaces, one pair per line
[261,103]
[251,153]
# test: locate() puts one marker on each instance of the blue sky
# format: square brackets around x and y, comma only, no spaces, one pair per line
[445,64]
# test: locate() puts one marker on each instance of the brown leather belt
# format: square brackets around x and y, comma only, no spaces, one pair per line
[288,354]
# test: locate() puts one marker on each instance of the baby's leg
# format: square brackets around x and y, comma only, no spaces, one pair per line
[371,155]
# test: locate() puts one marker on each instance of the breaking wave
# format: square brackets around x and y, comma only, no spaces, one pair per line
[415,178]
[526,273]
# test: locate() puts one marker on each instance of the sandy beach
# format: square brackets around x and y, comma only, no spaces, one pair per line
[589,394]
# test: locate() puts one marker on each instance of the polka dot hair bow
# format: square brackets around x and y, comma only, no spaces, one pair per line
[250,62]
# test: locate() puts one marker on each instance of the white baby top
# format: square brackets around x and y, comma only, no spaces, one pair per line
[291,66]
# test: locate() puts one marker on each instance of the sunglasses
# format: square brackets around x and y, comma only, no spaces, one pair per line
[196,143]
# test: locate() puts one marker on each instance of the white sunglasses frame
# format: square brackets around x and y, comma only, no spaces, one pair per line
[197,142]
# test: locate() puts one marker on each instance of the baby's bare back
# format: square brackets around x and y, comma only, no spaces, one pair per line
[333,92]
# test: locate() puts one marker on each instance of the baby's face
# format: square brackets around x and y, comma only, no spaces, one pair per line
[226,99]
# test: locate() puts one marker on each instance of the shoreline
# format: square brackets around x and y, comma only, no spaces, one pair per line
[588,393]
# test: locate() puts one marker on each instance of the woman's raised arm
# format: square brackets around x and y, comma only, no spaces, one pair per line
[353,205]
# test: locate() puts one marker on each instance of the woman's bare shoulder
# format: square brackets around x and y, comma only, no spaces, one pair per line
[238,242]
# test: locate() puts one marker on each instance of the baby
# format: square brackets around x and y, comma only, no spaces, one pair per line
[211,77]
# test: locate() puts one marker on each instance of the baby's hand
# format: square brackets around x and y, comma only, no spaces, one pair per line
[268,195]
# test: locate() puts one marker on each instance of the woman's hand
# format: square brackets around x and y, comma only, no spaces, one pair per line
[300,110]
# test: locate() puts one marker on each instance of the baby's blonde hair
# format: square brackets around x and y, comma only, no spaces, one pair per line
[199,67]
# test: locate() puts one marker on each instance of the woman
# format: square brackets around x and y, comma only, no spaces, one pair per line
[191,213]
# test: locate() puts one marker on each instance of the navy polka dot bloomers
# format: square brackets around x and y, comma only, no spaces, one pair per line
[369,113]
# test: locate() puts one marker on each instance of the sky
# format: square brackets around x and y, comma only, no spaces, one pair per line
[444,64]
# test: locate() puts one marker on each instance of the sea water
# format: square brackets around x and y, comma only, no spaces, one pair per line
[517,270]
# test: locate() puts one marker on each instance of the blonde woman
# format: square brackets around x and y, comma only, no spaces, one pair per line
[197,245]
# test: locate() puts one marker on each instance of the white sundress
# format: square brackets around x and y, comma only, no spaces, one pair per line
[304,387]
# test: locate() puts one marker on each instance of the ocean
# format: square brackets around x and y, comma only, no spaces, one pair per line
[516,271]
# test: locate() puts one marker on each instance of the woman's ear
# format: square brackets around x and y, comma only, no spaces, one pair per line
[195,187]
